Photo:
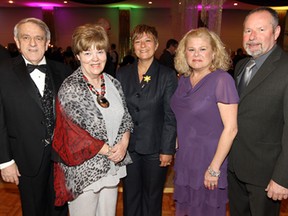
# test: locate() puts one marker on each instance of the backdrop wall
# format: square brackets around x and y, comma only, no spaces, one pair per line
[67,19]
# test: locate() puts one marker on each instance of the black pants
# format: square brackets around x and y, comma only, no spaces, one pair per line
[249,200]
[37,194]
[143,186]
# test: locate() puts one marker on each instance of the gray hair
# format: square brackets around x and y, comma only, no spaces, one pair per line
[272,12]
[36,21]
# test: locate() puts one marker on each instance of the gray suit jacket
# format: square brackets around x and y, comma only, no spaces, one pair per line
[260,150]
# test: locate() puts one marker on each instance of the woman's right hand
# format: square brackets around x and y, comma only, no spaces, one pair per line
[210,182]
[119,150]
[115,153]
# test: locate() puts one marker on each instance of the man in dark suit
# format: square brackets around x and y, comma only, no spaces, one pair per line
[27,118]
[167,57]
[258,161]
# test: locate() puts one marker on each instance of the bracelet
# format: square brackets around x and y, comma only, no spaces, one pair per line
[213,173]
[109,152]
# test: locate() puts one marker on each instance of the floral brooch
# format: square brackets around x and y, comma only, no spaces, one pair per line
[147,78]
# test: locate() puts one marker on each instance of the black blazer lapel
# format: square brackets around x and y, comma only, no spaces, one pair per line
[25,79]
[153,72]
[135,78]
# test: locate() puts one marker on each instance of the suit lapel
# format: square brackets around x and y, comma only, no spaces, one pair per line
[264,71]
[53,78]
[24,77]
[133,80]
[134,77]
[153,76]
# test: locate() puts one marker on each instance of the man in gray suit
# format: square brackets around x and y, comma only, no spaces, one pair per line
[258,161]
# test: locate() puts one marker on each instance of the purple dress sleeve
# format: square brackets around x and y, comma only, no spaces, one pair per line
[226,91]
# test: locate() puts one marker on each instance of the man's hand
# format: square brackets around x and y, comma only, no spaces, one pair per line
[11,174]
[276,191]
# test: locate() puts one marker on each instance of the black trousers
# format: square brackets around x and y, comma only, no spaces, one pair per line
[249,200]
[37,193]
[143,186]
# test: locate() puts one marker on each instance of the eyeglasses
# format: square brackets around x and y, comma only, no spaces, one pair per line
[27,38]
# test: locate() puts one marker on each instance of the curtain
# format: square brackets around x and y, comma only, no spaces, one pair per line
[189,14]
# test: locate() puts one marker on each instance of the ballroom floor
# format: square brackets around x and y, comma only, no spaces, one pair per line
[10,202]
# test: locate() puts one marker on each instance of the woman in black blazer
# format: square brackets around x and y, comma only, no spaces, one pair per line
[148,87]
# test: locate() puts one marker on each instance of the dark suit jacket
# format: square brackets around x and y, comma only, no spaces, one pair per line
[149,105]
[167,59]
[260,150]
[22,128]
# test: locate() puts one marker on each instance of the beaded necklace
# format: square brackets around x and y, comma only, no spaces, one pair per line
[101,100]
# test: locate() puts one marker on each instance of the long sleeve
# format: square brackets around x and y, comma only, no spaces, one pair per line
[168,139]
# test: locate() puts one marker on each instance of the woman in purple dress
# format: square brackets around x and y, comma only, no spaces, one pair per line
[205,105]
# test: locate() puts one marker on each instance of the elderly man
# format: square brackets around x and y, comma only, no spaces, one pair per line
[28,85]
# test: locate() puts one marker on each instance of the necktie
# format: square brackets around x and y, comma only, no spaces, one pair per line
[246,77]
[41,68]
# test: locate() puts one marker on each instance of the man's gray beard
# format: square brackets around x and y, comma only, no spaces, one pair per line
[255,53]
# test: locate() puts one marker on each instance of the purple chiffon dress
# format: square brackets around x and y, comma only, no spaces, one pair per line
[199,127]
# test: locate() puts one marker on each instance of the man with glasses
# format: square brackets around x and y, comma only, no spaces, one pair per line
[28,85]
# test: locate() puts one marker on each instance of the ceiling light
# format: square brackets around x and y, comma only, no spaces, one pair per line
[96,2]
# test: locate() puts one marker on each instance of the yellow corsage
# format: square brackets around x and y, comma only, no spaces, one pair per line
[147,78]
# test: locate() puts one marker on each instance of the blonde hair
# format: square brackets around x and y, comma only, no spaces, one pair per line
[221,60]
[88,35]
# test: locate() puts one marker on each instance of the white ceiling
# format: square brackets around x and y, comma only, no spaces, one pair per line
[228,4]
